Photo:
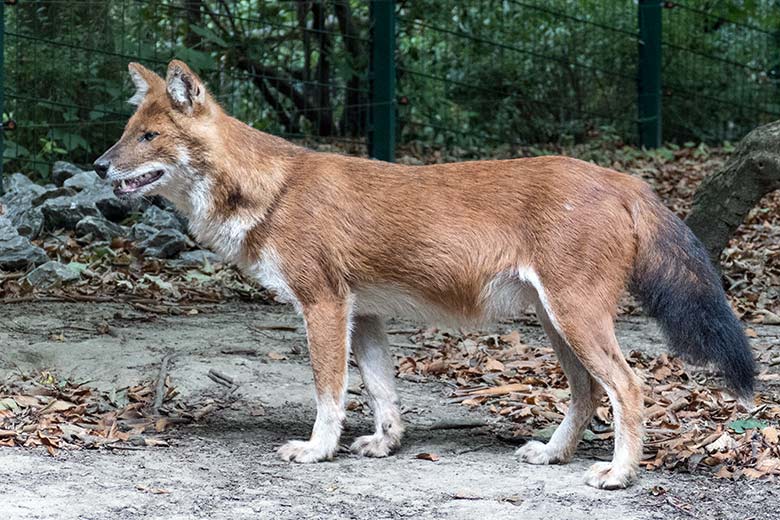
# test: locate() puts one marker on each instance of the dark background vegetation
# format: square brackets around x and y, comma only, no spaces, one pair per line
[474,76]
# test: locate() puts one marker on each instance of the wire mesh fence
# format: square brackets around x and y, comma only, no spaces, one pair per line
[474,74]
[488,72]
[720,70]
[283,67]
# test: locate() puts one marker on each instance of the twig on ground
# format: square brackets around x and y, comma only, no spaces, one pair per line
[494,390]
[240,352]
[159,391]
[197,416]
[272,326]
[122,447]
[457,424]
[223,379]
[472,449]
[412,346]
[403,331]
[220,378]
[146,308]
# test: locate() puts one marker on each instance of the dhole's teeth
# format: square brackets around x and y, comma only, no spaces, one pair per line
[123,184]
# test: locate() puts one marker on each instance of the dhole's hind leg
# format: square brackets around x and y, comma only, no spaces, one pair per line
[371,349]
[592,339]
[585,396]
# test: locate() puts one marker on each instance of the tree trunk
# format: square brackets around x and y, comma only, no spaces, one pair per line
[194,16]
[355,114]
[724,199]
[324,113]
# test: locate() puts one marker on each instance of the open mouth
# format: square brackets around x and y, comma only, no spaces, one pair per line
[127,186]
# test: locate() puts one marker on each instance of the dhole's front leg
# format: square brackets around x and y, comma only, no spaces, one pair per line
[327,331]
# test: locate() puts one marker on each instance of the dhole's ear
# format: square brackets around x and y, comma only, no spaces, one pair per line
[144,80]
[184,87]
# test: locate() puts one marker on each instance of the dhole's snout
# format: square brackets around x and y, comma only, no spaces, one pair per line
[101,167]
[127,180]
[103,163]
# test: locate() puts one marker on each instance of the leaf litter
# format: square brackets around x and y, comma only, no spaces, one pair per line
[691,423]
[116,272]
[42,411]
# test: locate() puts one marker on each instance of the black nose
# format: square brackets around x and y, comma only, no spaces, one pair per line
[101,168]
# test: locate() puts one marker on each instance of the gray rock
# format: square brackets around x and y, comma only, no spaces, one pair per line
[29,223]
[141,231]
[16,252]
[111,206]
[94,201]
[52,194]
[66,212]
[83,181]
[20,192]
[19,182]
[99,228]
[51,274]
[166,243]
[22,200]
[161,219]
[61,171]
[198,257]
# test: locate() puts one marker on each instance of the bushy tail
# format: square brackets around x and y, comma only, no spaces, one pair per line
[678,286]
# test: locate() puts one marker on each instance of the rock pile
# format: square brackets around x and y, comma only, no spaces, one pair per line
[79,201]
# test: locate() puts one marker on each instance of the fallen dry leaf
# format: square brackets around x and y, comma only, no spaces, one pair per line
[723,443]
[152,490]
[771,434]
[494,365]
[427,456]
[57,406]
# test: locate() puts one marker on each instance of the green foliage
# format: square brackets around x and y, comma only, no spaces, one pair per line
[741,425]
[472,75]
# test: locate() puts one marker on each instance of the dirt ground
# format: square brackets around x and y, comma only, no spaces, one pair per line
[226,467]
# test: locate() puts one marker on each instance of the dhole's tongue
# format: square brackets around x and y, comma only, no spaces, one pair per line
[127,186]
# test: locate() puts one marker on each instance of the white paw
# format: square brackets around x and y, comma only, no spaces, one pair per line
[606,475]
[535,452]
[305,452]
[376,445]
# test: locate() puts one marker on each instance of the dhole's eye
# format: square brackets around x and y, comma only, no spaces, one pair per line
[148,136]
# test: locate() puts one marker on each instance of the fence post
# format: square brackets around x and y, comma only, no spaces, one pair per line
[649,81]
[381,137]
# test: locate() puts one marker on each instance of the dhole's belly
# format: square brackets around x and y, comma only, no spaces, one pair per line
[505,296]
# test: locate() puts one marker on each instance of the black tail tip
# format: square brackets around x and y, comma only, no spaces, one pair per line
[740,376]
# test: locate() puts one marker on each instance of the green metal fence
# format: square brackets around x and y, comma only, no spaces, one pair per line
[491,72]
[486,73]
[721,71]
[365,75]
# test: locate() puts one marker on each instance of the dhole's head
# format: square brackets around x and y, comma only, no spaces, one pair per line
[172,123]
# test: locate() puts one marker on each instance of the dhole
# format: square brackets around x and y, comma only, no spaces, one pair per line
[349,241]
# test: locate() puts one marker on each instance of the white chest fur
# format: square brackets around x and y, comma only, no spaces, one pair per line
[268,272]
[225,235]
